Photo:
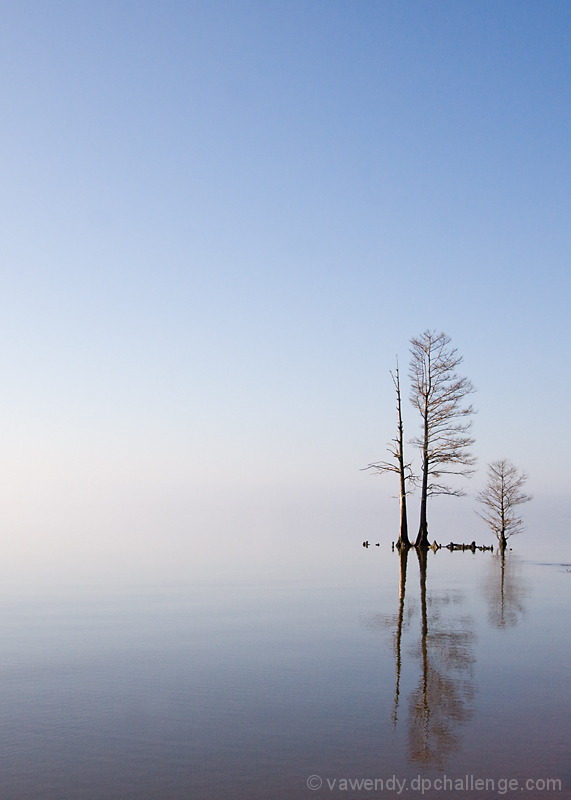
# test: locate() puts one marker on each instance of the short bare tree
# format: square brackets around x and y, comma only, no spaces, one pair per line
[398,465]
[437,393]
[501,497]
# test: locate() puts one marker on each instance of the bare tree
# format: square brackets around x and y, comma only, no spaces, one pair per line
[437,393]
[500,497]
[398,465]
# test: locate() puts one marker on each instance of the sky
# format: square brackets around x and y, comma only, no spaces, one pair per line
[221,223]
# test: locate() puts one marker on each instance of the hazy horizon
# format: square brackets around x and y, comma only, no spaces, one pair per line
[222,222]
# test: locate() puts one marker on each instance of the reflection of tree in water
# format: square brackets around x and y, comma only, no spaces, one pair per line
[443,698]
[505,591]
[403,554]
[398,624]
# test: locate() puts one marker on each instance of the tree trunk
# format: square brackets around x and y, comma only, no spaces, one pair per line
[403,540]
[422,538]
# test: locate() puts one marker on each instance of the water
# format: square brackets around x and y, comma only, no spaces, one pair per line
[246,685]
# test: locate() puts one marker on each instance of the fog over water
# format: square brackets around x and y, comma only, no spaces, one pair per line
[285,657]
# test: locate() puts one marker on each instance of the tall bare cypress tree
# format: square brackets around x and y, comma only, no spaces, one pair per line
[437,393]
[398,465]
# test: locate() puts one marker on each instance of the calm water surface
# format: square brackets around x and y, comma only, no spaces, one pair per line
[363,667]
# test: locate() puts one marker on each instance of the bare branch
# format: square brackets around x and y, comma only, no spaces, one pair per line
[500,497]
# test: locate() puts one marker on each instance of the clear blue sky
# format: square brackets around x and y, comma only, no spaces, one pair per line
[222,220]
